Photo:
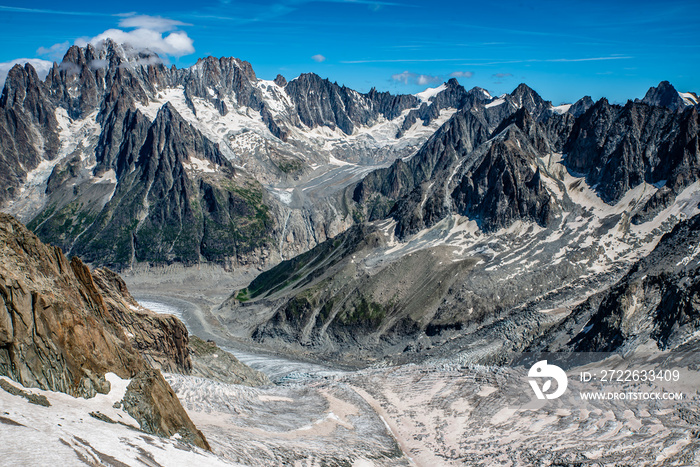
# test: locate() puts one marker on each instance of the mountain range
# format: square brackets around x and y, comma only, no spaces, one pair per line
[506,211]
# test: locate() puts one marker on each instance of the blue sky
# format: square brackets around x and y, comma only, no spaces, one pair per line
[563,49]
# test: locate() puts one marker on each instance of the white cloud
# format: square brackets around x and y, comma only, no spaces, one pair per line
[403,77]
[427,79]
[318,58]
[55,52]
[462,74]
[175,44]
[148,32]
[42,67]
[98,63]
[408,77]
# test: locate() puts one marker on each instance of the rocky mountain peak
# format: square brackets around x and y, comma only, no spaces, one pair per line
[21,82]
[523,92]
[664,95]
[481,92]
[280,81]
[579,107]
[525,96]
[452,83]
[77,56]
[618,148]
[25,113]
[529,127]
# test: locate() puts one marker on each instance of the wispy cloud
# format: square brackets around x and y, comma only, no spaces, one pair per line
[480,62]
[50,12]
[154,23]
[501,75]
[462,74]
[408,77]
[405,60]
[371,3]
[55,52]
[550,60]
[318,58]
[593,59]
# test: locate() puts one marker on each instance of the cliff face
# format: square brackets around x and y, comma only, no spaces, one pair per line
[28,129]
[57,332]
[618,148]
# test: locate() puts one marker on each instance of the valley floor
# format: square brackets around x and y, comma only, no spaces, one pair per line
[416,414]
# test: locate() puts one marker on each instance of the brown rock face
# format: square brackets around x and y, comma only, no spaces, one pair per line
[57,332]
[161,339]
[150,400]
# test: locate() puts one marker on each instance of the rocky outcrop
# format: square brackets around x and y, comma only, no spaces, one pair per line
[318,102]
[495,183]
[524,97]
[503,187]
[150,400]
[161,210]
[379,191]
[618,148]
[580,107]
[161,339]
[452,96]
[226,75]
[58,333]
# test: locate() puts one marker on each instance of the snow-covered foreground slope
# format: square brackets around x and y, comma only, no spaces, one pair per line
[440,414]
[66,434]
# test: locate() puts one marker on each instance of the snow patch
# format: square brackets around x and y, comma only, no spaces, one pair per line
[561,109]
[430,92]
[334,161]
[161,308]
[200,165]
[495,103]
[283,194]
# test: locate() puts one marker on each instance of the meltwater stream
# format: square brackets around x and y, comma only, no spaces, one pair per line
[278,369]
